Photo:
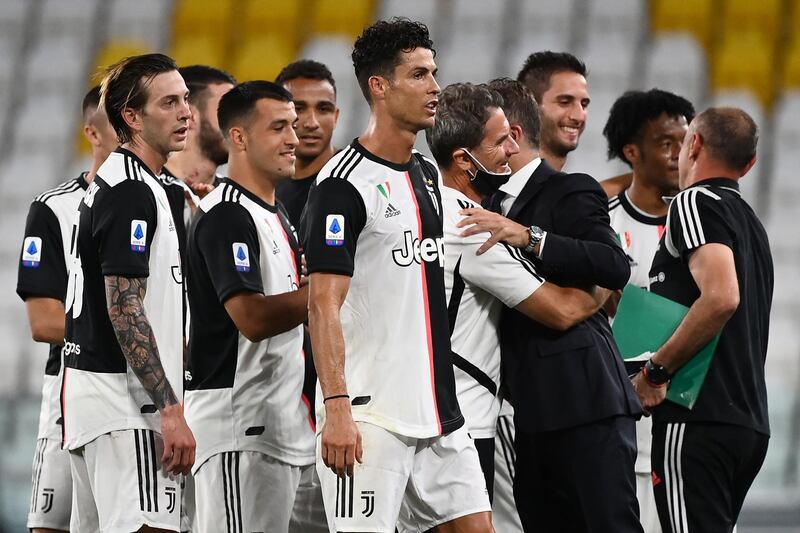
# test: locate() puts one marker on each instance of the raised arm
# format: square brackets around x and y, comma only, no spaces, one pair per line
[341,440]
[125,301]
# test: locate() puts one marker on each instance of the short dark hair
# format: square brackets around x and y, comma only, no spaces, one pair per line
[306,68]
[125,85]
[520,107]
[240,101]
[539,66]
[729,134]
[377,50]
[199,77]
[91,101]
[461,118]
[632,111]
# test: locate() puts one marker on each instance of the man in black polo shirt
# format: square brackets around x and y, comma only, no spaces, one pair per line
[714,257]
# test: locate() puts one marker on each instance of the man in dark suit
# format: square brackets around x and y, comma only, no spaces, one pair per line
[575,407]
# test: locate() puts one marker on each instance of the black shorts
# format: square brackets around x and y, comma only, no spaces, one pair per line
[702,472]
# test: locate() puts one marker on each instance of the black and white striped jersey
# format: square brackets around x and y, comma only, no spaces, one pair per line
[243,395]
[124,228]
[43,273]
[639,233]
[477,288]
[713,211]
[381,223]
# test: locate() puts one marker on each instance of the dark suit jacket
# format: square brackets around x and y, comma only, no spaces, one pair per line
[556,379]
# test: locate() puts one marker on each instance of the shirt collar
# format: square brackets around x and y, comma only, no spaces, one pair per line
[515,184]
[726,183]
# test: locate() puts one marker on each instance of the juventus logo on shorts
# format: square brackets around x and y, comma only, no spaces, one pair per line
[369,502]
[170,492]
[48,500]
[344,497]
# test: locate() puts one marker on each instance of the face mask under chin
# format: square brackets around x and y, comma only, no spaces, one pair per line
[487,183]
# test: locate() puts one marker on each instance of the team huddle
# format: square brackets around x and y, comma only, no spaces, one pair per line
[333,341]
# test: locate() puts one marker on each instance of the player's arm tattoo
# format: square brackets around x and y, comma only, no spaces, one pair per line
[124,297]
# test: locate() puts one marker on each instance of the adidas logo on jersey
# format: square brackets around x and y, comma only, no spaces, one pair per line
[391,211]
[417,251]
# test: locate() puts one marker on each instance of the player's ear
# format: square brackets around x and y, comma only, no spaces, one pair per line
[695,145]
[632,153]
[132,118]
[462,160]
[194,119]
[377,87]
[516,133]
[237,138]
[90,132]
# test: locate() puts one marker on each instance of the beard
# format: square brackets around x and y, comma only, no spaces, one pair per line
[211,144]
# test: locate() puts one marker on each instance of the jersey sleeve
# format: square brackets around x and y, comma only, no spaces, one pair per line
[502,271]
[124,221]
[697,218]
[227,240]
[42,267]
[335,216]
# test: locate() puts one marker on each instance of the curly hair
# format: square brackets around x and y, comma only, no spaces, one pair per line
[306,68]
[632,111]
[540,66]
[461,118]
[377,50]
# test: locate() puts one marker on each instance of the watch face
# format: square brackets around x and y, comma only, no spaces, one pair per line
[538,233]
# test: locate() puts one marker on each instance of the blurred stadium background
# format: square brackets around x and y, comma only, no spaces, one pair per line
[739,52]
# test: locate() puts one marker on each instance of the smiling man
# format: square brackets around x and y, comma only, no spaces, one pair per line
[123,352]
[314,93]
[392,434]
[558,82]
[244,401]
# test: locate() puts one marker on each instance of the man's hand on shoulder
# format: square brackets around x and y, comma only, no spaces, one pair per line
[502,229]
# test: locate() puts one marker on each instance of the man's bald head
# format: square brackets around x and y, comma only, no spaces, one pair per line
[729,134]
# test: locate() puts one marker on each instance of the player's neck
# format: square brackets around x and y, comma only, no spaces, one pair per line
[304,168]
[455,179]
[525,156]
[97,161]
[153,159]
[556,162]
[647,197]
[190,164]
[252,180]
[388,141]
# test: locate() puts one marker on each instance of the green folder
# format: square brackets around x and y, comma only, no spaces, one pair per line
[643,323]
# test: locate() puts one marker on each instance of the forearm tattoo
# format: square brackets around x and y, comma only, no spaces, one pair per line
[124,297]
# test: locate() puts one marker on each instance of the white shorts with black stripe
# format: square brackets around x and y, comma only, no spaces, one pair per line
[51,490]
[119,484]
[412,484]
[504,509]
[240,492]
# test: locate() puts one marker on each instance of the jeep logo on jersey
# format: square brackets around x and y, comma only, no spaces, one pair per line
[32,252]
[241,257]
[334,230]
[417,251]
[138,235]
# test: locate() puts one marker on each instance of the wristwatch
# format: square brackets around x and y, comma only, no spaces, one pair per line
[655,373]
[536,234]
